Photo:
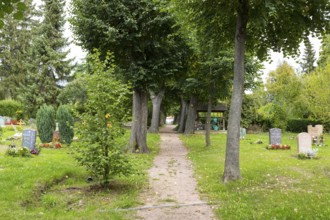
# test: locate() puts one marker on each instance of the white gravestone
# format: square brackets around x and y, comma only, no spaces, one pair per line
[304,143]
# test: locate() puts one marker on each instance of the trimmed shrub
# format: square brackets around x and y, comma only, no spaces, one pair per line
[65,123]
[9,108]
[300,125]
[46,123]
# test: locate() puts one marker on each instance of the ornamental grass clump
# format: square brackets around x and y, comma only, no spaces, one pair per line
[98,148]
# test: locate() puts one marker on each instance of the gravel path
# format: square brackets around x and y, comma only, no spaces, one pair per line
[172,193]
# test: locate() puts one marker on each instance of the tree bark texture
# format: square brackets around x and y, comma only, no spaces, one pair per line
[156,103]
[182,116]
[138,139]
[232,169]
[191,116]
[208,123]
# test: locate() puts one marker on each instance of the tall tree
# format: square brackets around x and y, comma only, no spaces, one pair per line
[16,50]
[324,58]
[285,99]
[309,59]
[255,26]
[138,33]
[14,7]
[52,67]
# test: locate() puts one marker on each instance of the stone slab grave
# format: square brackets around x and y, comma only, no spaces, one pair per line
[242,132]
[29,138]
[275,136]
[304,141]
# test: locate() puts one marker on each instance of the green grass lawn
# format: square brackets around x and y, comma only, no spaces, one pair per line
[53,186]
[274,185]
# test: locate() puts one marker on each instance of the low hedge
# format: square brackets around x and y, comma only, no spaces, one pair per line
[9,107]
[300,125]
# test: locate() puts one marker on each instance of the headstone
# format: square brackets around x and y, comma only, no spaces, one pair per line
[319,129]
[29,138]
[242,132]
[304,143]
[2,121]
[275,136]
[316,133]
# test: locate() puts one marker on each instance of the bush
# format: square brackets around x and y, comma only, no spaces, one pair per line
[65,123]
[46,123]
[300,125]
[9,108]
[98,148]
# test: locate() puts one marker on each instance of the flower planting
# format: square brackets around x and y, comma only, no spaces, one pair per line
[278,147]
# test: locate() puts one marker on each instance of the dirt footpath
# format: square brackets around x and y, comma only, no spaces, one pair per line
[172,193]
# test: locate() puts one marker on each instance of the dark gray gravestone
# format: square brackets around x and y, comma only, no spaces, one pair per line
[29,138]
[275,136]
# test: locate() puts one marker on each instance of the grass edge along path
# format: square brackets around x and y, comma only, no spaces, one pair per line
[275,183]
[53,186]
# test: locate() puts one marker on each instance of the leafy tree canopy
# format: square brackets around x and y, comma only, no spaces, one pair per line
[17,7]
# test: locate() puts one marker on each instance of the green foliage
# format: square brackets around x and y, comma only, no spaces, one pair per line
[15,7]
[307,63]
[324,58]
[9,107]
[74,94]
[284,97]
[101,127]
[18,152]
[317,93]
[51,67]
[298,125]
[16,51]
[141,35]
[46,123]
[65,123]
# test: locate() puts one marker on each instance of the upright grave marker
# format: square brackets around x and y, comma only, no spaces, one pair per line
[2,121]
[304,143]
[316,133]
[242,132]
[29,138]
[275,136]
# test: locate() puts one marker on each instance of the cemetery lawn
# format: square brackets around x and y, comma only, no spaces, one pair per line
[274,185]
[53,186]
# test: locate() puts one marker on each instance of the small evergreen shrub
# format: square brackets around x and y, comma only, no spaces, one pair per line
[65,123]
[9,107]
[46,123]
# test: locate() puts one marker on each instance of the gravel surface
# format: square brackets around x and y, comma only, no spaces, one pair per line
[172,193]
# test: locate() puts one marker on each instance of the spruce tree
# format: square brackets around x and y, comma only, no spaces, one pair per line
[52,65]
[324,58]
[308,60]
[16,50]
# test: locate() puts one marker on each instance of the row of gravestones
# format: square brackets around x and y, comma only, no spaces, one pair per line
[304,140]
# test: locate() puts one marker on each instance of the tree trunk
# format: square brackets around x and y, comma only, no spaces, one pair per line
[183,113]
[191,116]
[156,102]
[138,139]
[232,169]
[208,123]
